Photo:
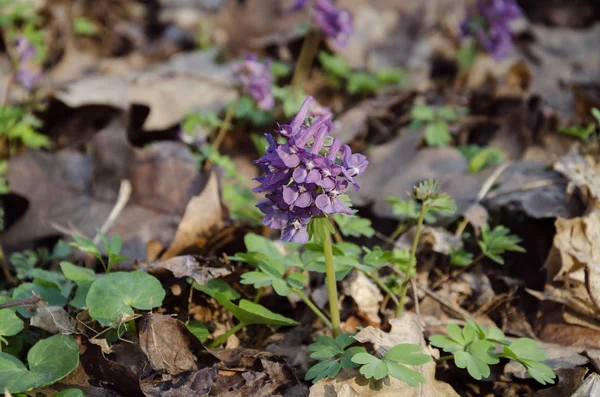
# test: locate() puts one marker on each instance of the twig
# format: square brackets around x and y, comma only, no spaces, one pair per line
[122,199]
[22,302]
[528,186]
[224,127]
[491,180]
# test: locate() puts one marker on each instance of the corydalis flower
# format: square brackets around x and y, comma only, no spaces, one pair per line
[489,22]
[306,175]
[334,22]
[256,80]
[27,73]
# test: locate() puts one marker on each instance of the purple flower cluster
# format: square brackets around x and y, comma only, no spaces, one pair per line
[27,73]
[305,176]
[256,80]
[489,22]
[334,22]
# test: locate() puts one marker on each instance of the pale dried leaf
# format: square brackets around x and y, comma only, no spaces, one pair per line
[53,319]
[366,295]
[188,266]
[437,238]
[589,388]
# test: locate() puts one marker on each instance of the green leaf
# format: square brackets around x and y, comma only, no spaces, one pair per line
[324,348]
[85,245]
[10,324]
[482,351]
[280,69]
[323,370]
[466,55]
[580,132]
[346,359]
[216,286]
[251,313]
[525,349]
[49,360]
[70,393]
[353,226]
[476,368]
[82,277]
[260,244]
[445,343]
[24,262]
[390,76]
[407,375]
[540,372]
[495,242]
[456,334]
[422,113]
[318,227]
[437,134]
[335,65]
[50,295]
[281,287]
[363,83]
[371,366]
[407,353]
[461,258]
[258,279]
[117,294]
[199,330]
[596,114]
[84,27]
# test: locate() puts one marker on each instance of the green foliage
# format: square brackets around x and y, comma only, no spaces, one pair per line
[428,193]
[83,278]
[461,258]
[14,11]
[408,210]
[20,126]
[394,363]
[353,226]
[280,69]
[113,297]
[51,295]
[476,348]
[246,109]
[204,119]
[580,132]
[318,228]
[112,249]
[466,56]
[272,274]
[199,330]
[10,324]
[84,27]
[291,98]
[70,393]
[495,242]
[23,263]
[333,354]
[250,313]
[435,123]
[480,158]
[216,286]
[49,360]
[363,83]
[4,189]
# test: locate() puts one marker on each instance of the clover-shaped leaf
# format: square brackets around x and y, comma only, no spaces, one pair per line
[336,354]
[117,294]
[216,286]
[371,366]
[49,360]
[50,295]
[10,324]
[353,226]
[526,352]
[322,370]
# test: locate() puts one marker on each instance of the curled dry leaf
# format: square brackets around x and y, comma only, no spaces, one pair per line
[405,329]
[589,388]
[189,266]
[439,239]
[53,319]
[582,172]
[366,295]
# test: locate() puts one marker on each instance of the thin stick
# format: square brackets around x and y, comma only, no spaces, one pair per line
[22,302]
[412,261]
[314,308]
[334,309]
[224,127]
[122,199]
[9,83]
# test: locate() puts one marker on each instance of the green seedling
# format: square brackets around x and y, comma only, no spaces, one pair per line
[112,249]
[435,122]
[480,158]
[84,27]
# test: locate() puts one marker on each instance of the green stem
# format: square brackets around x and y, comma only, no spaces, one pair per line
[314,308]
[445,358]
[223,338]
[224,127]
[306,58]
[412,261]
[259,294]
[334,309]
[384,287]
[399,230]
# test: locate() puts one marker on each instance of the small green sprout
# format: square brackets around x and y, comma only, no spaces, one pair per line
[480,158]
[112,249]
[84,27]
[353,226]
[435,122]
[333,355]
[495,242]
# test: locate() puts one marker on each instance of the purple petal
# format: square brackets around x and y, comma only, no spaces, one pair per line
[300,174]
[304,200]
[290,194]
[323,202]
[314,176]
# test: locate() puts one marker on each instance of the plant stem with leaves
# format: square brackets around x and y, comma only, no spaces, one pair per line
[412,261]
[224,127]
[334,309]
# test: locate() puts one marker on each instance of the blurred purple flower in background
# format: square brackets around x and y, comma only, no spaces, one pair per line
[305,176]
[28,73]
[256,80]
[334,22]
[489,23]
